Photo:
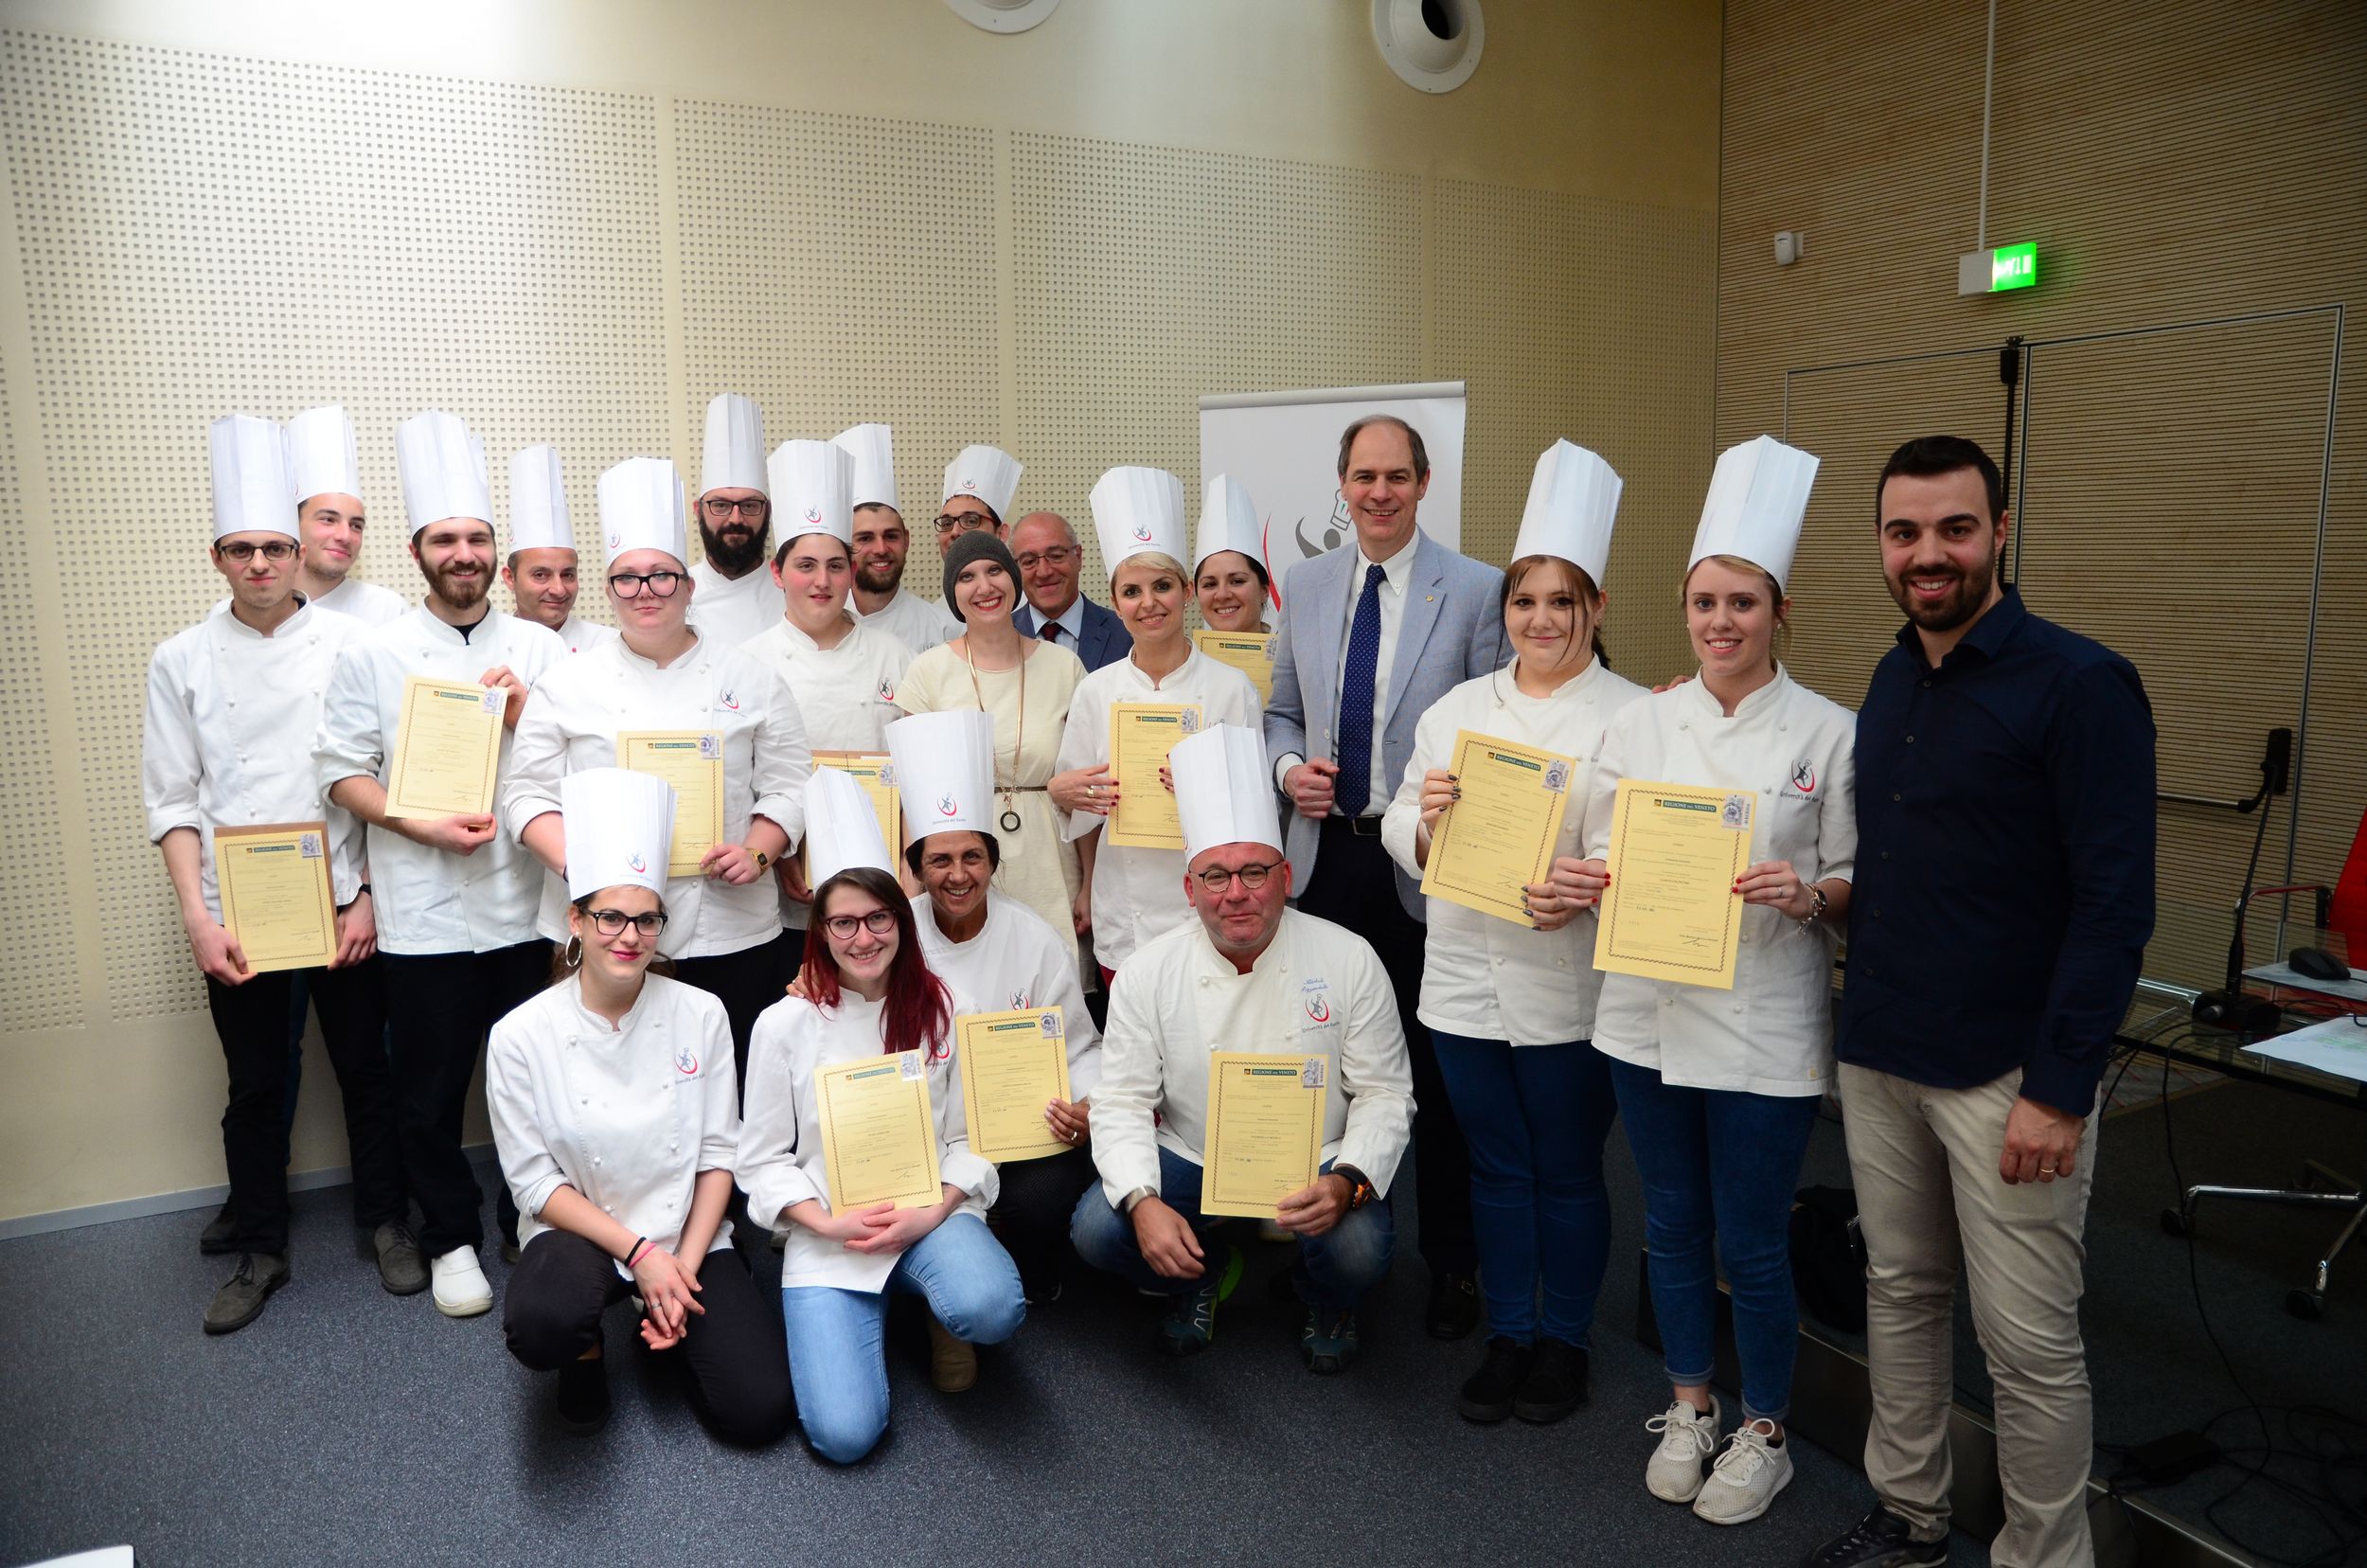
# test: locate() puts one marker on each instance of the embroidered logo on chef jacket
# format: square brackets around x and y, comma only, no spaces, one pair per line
[887,694]
[686,1061]
[1803,775]
[728,699]
[1022,998]
[1315,996]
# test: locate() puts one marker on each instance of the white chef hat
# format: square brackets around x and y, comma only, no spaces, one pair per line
[254,486]
[537,501]
[1137,511]
[1223,791]
[812,482]
[1758,498]
[641,508]
[842,829]
[987,472]
[327,454]
[945,770]
[873,448]
[1228,520]
[442,467]
[620,830]
[735,449]
[1574,499]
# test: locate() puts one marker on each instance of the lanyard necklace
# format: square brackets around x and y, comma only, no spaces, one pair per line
[1009,819]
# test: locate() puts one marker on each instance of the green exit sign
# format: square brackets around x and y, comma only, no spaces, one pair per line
[2013,267]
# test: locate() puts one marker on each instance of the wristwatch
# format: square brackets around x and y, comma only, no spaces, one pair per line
[764,860]
[1126,1204]
[1360,1185]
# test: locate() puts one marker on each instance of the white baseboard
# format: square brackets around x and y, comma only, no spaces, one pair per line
[174,1203]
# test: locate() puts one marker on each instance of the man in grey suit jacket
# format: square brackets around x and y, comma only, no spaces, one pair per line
[1372,634]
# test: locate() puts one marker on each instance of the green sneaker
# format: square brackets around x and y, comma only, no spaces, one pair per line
[1328,1340]
[1191,1320]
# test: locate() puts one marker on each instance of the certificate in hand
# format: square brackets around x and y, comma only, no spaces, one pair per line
[1671,912]
[1500,836]
[693,762]
[878,1139]
[1141,734]
[274,894]
[876,775]
[1265,1131]
[1013,1063]
[448,746]
[1250,652]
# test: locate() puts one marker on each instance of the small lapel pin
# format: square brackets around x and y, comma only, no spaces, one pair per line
[1429,598]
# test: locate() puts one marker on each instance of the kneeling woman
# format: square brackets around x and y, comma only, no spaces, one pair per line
[869,993]
[613,1098]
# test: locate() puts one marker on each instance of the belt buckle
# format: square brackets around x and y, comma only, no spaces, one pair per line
[1363,827]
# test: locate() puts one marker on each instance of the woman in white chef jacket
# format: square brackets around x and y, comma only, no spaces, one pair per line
[614,1108]
[995,954]
[1511,1008]
[1229,575]
[723,926]
[844,674]
[1136,894]
[1719,1088]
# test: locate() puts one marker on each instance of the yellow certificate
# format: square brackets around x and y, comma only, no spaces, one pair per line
[1250,652]
[878,778]
[1500,836]
[692,761]
[879,1140]
[1671,912]
[1265,1131]
[448,746]
[1013,1063]
[1141,734]
[274,894]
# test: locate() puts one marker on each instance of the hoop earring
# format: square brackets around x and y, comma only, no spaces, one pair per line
[573,955]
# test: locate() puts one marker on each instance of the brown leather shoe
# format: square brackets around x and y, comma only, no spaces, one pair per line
[952,1363]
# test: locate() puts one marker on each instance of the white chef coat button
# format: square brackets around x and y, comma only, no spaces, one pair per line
[1766,789]
[1561,963]
[1667,1001]
[1737,1009]
[1780,728]
[1499,963]
[596,1159]
[234,702]
[607,1208]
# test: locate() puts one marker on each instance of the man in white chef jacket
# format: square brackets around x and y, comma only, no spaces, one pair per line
[1253,974]
[979,484]
[881,542]
[232,704]
[330,516]
[540,570]
[455,896]
[734,596]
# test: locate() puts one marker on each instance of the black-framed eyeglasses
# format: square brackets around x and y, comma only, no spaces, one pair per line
[1216,878]
[963,521]
[629,584]
[612,923]
[1059,554]
[242,551]
[720,508]
[879,922]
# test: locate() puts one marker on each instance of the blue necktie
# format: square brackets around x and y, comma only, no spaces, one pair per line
[1354,789]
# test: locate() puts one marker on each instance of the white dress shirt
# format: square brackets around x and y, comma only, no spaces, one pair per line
[919,623]
[578,634]
[1795,754]
[1397,573]
[732,610]
[364,601]
[780,1145]
[627,1114]
[1137,892]
[426,900]
[1318,990]
[1484,977]
[1015,961]
[227,743]
[572,722]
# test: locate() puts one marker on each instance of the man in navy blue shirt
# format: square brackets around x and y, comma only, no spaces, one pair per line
[2002,902]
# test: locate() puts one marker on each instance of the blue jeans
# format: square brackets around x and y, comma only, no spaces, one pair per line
[837,1356]
[1536,1117]
[1725,1163]
[1334,1269]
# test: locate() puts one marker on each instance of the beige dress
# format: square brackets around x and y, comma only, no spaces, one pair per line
[1039,867]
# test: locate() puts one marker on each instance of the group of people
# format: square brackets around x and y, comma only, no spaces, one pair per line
[1979,831]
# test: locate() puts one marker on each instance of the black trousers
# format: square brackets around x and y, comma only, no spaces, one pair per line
[251,1022]
[438,1007]
[1355,885]
[734,1359]
[746,982]
[1032,1215]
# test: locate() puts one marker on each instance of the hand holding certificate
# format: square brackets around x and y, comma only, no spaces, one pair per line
[879,1138]
[1013,1065]
[1498,838]
[448,746]
[1671,912]
[274,894]
[693,762]
[1250,652]
[1265,1136]
[1141,734]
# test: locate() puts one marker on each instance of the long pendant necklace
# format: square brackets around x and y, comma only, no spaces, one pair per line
[1009,819]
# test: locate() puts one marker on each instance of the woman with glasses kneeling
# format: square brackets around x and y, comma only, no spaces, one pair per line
[612,1099]
[869,993]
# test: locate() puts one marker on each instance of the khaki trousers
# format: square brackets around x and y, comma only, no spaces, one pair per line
[1925,1163]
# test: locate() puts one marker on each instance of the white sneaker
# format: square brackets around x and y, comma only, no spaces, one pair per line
[1687,1437]
[461,1290]
[1746,1478]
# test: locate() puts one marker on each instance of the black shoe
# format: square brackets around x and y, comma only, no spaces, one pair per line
[583,1393]
[1454,1306]
[1881,1540]
[220,1234]
[240,1299]
[1555,1384]
[1486,1394]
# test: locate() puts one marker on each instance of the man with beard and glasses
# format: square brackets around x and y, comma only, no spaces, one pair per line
[2003,900]
[331,517]
[541,571]
[734,598]
[455,896]
[881,541]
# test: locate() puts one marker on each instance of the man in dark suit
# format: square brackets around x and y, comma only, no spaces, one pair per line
[1372,634]
[1050,564]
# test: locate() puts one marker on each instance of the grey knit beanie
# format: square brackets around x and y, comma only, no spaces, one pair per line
[977,545]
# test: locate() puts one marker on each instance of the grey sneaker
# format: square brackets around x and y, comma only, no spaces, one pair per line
[400,1268]
[240,1299]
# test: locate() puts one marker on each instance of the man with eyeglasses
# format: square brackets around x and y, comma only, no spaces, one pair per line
[734,596]
[232,704]
[1050,562]
[329,488]
[881,542]
[1251,976]
[456,896]
[979,484]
